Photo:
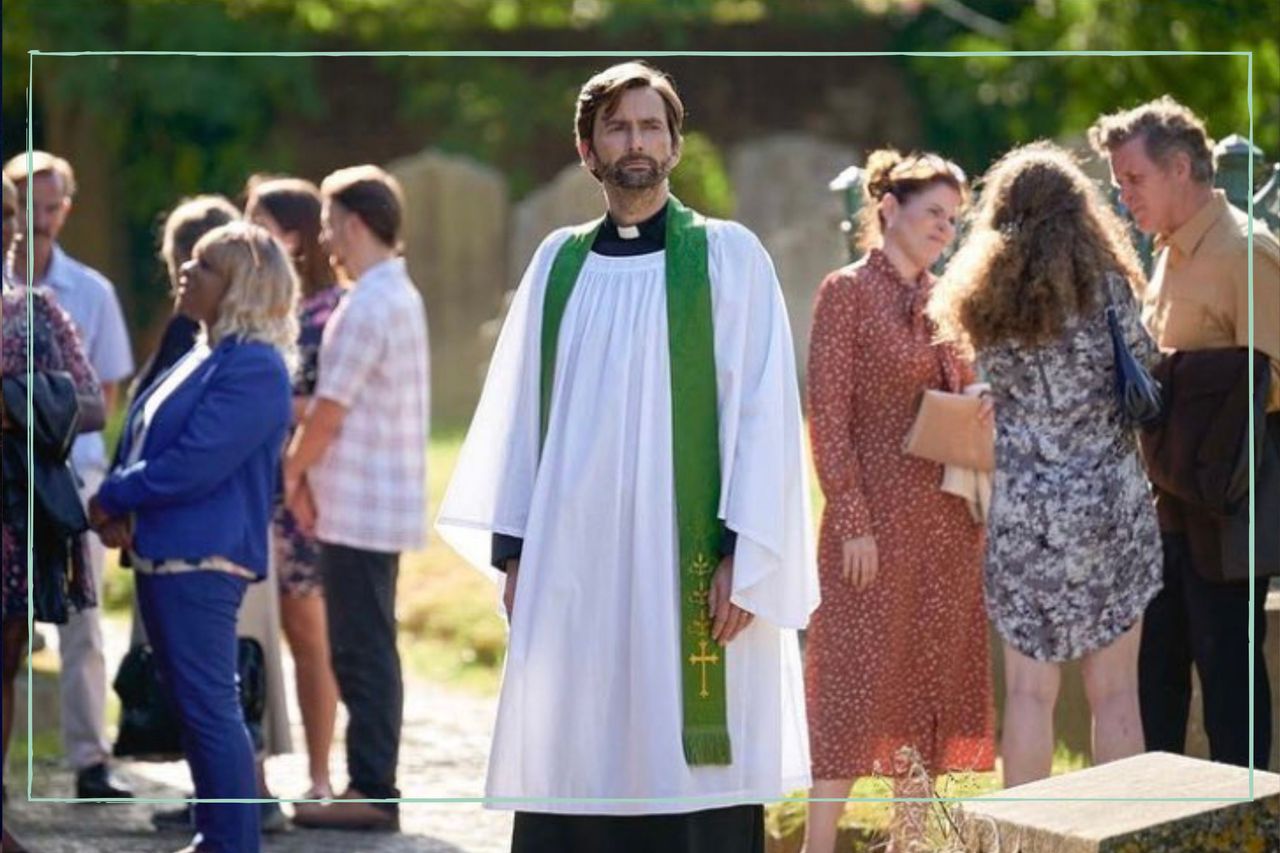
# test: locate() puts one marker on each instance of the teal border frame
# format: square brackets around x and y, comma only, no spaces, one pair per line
[32,54]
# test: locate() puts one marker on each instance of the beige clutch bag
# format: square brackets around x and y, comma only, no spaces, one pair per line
[947,430]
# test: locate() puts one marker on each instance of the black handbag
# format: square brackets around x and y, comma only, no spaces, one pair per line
[1137,393]
[149,725]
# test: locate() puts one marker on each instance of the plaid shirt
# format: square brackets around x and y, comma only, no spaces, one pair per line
[370,485]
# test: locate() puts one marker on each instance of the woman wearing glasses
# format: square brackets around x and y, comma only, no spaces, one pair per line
[896,655]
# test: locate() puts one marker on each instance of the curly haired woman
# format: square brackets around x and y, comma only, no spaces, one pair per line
[1073,553]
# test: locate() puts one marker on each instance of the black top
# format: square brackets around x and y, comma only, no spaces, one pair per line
[652,237]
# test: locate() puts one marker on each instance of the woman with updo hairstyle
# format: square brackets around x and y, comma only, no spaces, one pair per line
[1073,550]
[896,657]
[192,498]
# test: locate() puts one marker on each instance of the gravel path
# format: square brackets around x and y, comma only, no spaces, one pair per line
[443,753]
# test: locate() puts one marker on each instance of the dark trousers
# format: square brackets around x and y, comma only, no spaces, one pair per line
[1193,621]
[734,828]
[191,623]
[360,599]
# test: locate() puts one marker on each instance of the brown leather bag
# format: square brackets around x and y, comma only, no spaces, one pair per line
[947,430]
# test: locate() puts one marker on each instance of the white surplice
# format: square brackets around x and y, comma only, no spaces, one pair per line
[590,705]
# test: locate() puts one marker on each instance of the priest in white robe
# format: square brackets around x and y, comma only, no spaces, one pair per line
[566,491]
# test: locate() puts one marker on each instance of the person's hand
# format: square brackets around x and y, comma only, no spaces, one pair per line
[303,506]
[727,619]
[116,533]
[292,481]
[861,561]
[98,517]
[987,411]
[509,589]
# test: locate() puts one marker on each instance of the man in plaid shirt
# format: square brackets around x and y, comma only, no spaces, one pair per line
[357,471]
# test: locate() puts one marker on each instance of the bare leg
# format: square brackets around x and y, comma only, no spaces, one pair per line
[1026,743]
[820,825]
[1111,685]
[303,619]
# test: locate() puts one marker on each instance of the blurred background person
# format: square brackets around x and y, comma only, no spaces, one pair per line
[193,498]
[1073,553]
[897,654]
[356,469]
[258,616]
[90,301]
[290,209]
[55,346]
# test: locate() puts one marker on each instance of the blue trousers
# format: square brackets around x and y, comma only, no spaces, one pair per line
[191,622]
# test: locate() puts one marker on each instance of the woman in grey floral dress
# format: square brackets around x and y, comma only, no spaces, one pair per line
[1073,550]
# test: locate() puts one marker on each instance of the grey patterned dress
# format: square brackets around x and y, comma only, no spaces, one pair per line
[1073,549]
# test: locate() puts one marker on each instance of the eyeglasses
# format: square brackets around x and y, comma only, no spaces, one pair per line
[924,166]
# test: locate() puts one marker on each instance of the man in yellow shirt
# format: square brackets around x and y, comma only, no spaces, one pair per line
[1198,297]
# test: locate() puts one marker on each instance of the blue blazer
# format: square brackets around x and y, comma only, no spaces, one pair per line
[206,480]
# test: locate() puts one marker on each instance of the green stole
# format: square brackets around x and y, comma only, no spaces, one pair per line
[695,443]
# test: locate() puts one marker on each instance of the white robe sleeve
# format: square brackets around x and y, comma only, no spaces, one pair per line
[764,492]
[492,484]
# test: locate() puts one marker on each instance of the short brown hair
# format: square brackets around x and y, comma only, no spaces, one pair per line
[42,163]
[294,204]
[1165,126]
[190,220]
[373,195]
[889,173]
[600,95]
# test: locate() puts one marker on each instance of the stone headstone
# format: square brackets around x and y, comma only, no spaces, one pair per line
[1151,803]
[780,183]
[572,197]
[455,239]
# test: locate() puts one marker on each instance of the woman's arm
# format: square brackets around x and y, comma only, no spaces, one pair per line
[832,357]
[245,402]
[93,410]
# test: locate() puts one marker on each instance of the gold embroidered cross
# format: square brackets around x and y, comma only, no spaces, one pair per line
[702,658]
[702,566]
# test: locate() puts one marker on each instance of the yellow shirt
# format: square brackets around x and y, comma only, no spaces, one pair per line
[1198,297]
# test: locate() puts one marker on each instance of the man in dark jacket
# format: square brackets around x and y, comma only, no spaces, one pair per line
[1198,299]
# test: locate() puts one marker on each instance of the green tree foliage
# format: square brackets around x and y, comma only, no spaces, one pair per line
[179,125]
[996,102]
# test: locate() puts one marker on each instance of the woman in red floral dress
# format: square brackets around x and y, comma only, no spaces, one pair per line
[896,654]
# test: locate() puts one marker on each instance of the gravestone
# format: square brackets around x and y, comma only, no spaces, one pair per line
[1151,803]
[571,197]
[455,240]
[780,183]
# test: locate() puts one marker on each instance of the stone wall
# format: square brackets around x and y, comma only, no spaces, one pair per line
[456,227]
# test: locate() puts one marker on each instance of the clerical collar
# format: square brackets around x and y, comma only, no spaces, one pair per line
[641,239]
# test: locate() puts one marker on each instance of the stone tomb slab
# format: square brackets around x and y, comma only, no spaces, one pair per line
[1205,808]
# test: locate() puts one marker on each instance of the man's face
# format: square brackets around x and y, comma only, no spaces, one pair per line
[333,228]
[50,206]
[1149,191]
[631,148]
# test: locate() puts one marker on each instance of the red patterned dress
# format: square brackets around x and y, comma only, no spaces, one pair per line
[906,661]
[54,346]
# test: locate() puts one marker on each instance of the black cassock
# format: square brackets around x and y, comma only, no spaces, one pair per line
[734,829]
